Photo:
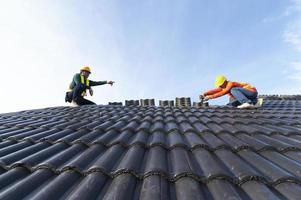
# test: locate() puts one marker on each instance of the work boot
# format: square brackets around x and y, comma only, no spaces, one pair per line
[259,102]
[74,104]
[246,105]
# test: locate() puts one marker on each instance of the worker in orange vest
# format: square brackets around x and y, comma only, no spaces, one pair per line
[242,95]
[80,83]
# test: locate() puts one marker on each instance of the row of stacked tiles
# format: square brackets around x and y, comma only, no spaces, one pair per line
[189,140]
[268,166]
[43,184]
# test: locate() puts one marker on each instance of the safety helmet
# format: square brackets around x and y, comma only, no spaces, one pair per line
[86,68]
[219,80]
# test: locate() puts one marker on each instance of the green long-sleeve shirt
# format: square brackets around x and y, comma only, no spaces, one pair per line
[77,80]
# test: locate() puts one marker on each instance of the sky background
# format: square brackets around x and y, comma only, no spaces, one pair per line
[158,49]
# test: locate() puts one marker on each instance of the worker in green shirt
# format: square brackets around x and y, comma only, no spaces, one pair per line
[80,83]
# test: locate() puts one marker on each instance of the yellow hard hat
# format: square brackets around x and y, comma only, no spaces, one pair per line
[219,80]
[86,68]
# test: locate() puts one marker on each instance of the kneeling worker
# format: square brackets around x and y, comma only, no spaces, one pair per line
[242,95]
[80,83]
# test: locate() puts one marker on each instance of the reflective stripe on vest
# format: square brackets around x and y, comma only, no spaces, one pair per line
[82,80]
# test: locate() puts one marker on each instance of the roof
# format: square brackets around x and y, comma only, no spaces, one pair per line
[132,152]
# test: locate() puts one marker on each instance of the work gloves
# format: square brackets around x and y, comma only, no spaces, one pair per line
[111,82]
[204,98]
[91,91]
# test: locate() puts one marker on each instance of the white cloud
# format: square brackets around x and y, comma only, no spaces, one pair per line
[296,67]
[292,36]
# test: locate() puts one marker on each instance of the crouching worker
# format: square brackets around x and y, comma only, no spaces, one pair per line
[242,95]
[80,83]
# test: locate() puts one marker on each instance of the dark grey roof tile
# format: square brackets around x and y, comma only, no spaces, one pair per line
[6,130]
[14,147]
[86,158]
[145,125]
[210,165]
[286,163]
[213,141]
[158,118]
[181,164]
[233,141]
[59,134]
[171,126]
[259,191]
[6,143]
[77,125]
[65,124]
[118,125]
[131,161]
[292,129]
[223,190]
[59,187]
[253,142]
[140,137]
[40,134]
[23,153]
[176,139]
[89,137]
[289,190]
[123,138]
[131,126]
[287,140]
[185,127]
[181,118]
[169,118]
[194,140]
[36,158]
[25,134]
[156,162]
[63,157]
[89,188]
[108,159]
[154,187]
[21,189]
[269,170]
[107,137]
[157,126]
[192,119]
[200,127]
[205,119]
[273,142]
[74,136]
[157,138]
[12,176]
[121,187]
[147,118]
[295,155]
[14,132]
[189,189]
[93,124]
[239,168]
[229,128]
[105,125]
[246,128]
[25,123]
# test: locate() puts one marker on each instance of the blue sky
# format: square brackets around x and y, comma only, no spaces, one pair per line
[158,49]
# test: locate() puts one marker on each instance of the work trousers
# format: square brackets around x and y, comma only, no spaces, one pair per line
[77,97]
[242,95]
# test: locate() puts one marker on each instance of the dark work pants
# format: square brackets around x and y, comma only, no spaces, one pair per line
[77,95]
